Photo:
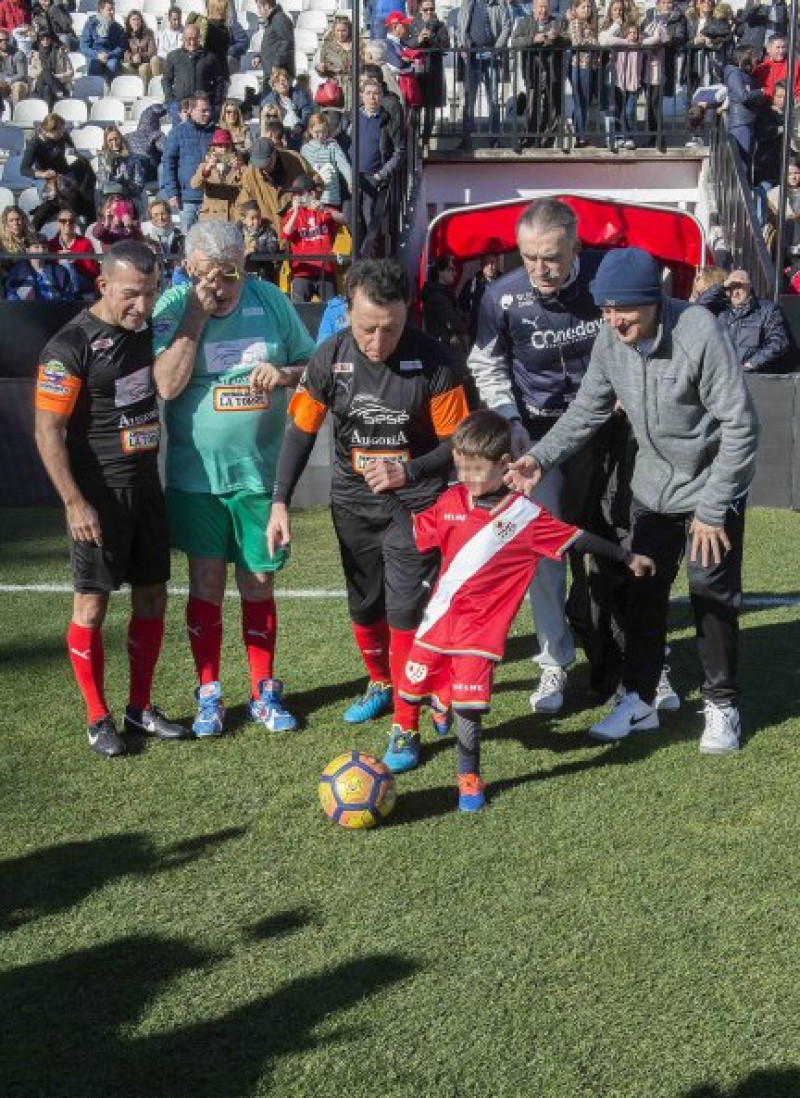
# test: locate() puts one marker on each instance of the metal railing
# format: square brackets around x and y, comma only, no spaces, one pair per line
[736,210]
[560,95]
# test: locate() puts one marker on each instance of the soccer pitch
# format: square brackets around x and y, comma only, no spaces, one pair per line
[620,922]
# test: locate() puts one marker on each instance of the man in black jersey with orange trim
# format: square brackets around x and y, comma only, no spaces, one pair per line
[395,398]
[97,430]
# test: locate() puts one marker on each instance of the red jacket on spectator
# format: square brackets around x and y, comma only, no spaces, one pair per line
[13,13]
[88,269]
[768,73]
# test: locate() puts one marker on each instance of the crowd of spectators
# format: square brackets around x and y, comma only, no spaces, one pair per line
[230,119]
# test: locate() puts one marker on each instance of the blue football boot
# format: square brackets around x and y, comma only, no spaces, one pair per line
[403,750]
[375,703]
[268,707]
[210,711]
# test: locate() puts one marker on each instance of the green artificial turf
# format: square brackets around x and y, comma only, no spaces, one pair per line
[620,922]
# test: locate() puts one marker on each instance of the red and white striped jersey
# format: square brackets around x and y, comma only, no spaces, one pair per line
[488,560]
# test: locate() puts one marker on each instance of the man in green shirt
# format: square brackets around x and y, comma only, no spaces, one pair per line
[227,349]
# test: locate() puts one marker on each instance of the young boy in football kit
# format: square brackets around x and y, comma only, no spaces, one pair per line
[491,540]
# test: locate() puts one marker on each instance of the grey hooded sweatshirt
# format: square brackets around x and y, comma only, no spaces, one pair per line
[689,408]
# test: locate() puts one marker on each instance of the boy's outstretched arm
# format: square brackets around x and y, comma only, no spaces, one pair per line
[591,543]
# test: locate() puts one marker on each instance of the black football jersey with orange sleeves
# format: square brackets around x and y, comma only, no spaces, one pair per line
[113,431]
[397,410]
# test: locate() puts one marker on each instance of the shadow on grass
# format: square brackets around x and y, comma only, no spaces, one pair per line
[68,1023]
[769,1083]
[56,878]
[285,922]
[423,804]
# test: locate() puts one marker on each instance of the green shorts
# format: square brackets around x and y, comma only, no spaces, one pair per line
[231,526]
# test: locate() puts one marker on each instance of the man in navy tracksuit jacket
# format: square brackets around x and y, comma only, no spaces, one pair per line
[536,329]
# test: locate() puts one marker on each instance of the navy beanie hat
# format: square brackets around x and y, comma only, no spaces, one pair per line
[627,276]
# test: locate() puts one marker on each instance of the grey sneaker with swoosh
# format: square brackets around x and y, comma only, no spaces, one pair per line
[630,714]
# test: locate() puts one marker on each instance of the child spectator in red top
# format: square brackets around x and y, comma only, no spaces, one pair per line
[310,228]
[491,540]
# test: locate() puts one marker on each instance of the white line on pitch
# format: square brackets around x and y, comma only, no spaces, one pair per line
[754,601]
[66,589]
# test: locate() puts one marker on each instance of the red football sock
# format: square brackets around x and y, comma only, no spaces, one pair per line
[86,653]
[373,644]
[204,622]
[144,647]
[259,628]
[405,714]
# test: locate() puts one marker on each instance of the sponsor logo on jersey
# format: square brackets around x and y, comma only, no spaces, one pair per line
[361,458]
[133,387]
[504,530]
[239,398]
[135,440]
[416,672]
[392,441]
[370,410]
[469,687]
[230,354]
[506,301]
[342,367]
[162,325]
[252,310]
[102,344]
[137,421]
[586,329]
[454,517]
[410,365]
[54,378]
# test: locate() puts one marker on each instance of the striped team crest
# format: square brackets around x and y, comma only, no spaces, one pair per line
[473,556]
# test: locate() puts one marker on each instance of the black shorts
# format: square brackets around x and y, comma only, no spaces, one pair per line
[135,547]
[385,574]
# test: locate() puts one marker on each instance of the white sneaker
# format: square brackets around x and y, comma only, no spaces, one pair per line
[630,714]
[548,697]
[723,730]
[666,700]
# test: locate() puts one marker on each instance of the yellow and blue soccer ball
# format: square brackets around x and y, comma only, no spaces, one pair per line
[356,790]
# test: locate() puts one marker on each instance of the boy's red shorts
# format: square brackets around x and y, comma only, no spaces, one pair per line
[464,682]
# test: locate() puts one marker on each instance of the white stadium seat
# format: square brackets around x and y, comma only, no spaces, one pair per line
[6,198]
[241,81]
[28,113]
[155,89]
[72,110]
[108,110]
[127,88]
[306,41]
[159,8]
[255,41]
[88,139]
[301,62]
[78,62]
[141,105]
[151,21]
[312,20]
[329,6]
[29,199]
[79,21]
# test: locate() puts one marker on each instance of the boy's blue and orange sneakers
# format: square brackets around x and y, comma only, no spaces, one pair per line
[403,750]
[376,702]
[442,722]
[471,795]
